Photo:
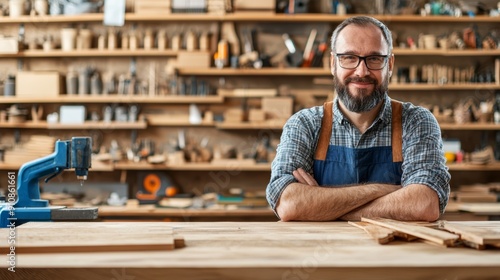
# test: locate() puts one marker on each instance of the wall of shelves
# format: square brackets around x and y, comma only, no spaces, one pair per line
[267,77]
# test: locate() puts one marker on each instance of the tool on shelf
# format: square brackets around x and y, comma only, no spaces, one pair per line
[294,57]
[70,154]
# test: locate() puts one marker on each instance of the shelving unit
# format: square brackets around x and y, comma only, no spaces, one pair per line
[241,167]
[68,99]
[269,76]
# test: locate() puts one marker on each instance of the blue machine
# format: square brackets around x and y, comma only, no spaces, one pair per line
[71,154]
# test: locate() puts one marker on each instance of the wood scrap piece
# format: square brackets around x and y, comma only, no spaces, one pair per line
[434,235]
[479,236]
[179,241]
[404,236]
[94,238]
[381,234]
[473,245]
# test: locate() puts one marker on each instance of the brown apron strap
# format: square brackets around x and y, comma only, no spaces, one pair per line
[325,132]
[397,131]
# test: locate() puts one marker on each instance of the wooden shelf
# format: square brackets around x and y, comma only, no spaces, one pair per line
[336,18]
[9,166]
[178,123]
[218,167]
[425,86]
[95,17]
[245,17]
[470,126]
[474,167]
[241,126]
[440,52]
[255,72]
[86,125]
[224,126]
[192,166]
[429,87]
[91,53]
[114,98]
[96,166]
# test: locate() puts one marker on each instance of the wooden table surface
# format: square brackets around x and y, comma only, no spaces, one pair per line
[261,250]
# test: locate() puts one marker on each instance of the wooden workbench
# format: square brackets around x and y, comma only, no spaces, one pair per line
[264,250]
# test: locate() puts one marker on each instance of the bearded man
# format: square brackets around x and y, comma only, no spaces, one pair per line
[363,154]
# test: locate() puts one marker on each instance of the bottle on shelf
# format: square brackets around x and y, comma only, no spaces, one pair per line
[496,109]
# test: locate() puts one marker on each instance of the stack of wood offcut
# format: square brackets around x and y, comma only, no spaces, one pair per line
[478,193]
[36,147]
[441,233]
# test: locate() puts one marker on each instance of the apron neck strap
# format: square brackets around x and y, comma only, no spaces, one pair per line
[396,131]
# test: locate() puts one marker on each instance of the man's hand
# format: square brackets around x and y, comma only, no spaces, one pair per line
[304,178]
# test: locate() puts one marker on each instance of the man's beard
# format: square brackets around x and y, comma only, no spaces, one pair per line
[365,102]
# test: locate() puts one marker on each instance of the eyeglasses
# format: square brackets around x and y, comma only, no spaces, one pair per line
[352,61]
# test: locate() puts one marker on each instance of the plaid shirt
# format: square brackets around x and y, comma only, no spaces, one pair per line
[423,157]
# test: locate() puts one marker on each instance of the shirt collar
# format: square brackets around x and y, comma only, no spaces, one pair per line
[385,114]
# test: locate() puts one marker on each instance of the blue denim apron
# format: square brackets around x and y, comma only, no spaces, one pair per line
[336,165]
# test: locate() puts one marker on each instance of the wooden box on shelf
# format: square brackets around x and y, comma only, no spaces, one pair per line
[152,7]
[38,84]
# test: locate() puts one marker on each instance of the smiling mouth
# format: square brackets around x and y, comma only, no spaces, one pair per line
[360,81]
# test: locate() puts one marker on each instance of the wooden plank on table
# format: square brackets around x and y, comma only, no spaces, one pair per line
[480,208]
[479,236]
[96,237]
[433,235]
[381,234]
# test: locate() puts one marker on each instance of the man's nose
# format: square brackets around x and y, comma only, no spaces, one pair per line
[362,70]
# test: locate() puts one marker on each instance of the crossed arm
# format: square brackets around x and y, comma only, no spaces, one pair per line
[307,201]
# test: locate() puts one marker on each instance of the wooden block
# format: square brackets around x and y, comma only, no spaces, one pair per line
[152,7]
[179,241]
[478,236]
[433,235]
[256,115]
[381,234]
[38,84]
[68,237]
[277,107]
[254,5]
[9,45]
[198,59]
[404,236]
[233,115]
[164,119]
[473,245]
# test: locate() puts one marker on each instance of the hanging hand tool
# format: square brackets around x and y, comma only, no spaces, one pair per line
[71,154]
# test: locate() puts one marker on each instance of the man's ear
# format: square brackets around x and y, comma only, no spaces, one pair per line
[332,64]
[391,64]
